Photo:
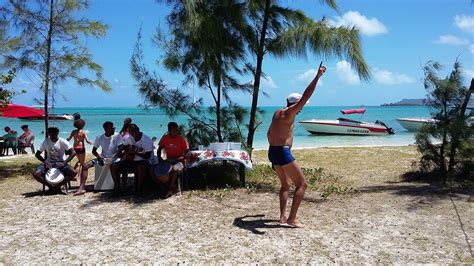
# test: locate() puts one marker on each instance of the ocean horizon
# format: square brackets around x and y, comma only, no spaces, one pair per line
[153,122]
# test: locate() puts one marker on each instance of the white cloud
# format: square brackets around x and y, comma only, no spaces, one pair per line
[306,77]
[346,74]
[116,80]
[369,27]
[471,48]
[451,40]
[465,23]
[267,83]
[389,78]
[468,73]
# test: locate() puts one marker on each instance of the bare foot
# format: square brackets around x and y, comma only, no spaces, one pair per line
[79,192]
[295,224]
[283,219]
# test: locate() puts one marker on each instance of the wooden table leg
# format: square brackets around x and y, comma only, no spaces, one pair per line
[242,174]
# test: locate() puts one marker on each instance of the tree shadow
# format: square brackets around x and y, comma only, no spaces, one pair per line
[12,171]
[254,225]
[151,194]
[424,190]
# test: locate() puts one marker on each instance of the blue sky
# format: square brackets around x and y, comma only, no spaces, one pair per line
[398,38]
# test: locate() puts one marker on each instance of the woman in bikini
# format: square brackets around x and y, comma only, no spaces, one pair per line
[79,146]
[124,131]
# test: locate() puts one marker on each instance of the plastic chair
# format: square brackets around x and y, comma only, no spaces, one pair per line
[10,143]
[29,143]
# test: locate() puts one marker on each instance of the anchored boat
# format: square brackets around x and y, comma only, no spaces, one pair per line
[415,124]
[345,126]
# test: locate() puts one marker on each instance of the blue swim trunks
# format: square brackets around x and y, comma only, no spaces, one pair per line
[280,155]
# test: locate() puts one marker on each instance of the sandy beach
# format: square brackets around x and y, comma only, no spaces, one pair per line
[361,209]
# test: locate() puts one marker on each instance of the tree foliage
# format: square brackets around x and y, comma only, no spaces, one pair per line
[285,32]
[202,126]
[70,57]
[47,38]
[446,146]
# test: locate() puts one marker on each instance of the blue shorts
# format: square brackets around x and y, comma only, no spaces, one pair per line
[280,155]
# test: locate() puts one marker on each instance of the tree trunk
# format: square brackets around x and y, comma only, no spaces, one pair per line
[468,97]
[455,139]
[48,65]
[258,74]
[218,113]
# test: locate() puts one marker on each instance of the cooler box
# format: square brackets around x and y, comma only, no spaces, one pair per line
[103,179]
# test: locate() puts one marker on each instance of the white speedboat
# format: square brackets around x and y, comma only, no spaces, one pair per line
[415,124]
[344,126]
[50,117]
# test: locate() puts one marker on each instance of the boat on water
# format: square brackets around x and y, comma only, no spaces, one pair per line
[51,116]
[55,117]
[415,124]
[345,126]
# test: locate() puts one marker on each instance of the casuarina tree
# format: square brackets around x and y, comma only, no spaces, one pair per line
[51,35]
[446,146]
[205,45]
[284,32]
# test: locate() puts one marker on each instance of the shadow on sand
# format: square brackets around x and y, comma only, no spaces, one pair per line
[255,222]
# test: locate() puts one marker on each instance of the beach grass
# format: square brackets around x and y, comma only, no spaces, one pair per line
[358,208]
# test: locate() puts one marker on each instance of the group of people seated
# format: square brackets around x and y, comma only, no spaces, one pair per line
[129,151]
[18,144]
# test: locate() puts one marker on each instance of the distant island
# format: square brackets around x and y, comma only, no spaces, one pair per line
[416,102]
[407,102]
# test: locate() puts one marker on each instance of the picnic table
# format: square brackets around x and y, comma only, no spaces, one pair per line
[233,155]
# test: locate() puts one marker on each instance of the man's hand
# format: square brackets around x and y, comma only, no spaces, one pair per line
[59,164]
[48,165]
[321,70]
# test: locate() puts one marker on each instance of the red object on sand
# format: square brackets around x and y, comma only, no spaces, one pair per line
[16,110]
[353,111]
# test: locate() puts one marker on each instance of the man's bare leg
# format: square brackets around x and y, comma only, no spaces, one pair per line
[285,188]
[293,170]
[140,174]
[39,176]
[84,173]
[115,177]
[172,182]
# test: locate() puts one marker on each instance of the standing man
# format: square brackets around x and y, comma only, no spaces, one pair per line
[138,149]
[280,138]
[109,142]
[55,149]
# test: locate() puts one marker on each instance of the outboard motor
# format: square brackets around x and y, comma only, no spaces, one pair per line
[389,129]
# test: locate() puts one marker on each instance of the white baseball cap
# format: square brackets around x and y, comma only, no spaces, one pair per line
[294,98]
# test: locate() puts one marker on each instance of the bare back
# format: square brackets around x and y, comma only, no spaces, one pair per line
[280,132]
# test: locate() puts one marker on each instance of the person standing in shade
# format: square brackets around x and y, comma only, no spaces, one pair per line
[280,138]
[124,131]
[109,142]
[80,138]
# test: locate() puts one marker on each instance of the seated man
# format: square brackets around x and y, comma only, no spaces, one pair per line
[137,148]
[110,142]
[26,140]
[176,148]
[55,149]
[9,141]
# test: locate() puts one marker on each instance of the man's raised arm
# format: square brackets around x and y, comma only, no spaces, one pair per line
[308,91]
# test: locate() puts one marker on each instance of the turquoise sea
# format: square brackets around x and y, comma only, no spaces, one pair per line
[153,123]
